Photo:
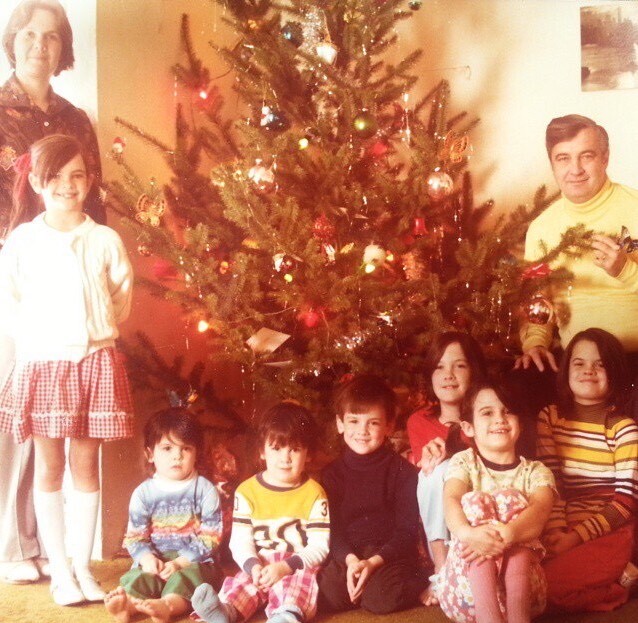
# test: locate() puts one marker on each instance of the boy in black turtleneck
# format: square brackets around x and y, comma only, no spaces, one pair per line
[373,508]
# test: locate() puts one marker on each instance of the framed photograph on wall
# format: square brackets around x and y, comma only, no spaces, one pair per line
[608,43]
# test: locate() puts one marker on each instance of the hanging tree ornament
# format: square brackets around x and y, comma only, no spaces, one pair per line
[373,256]
[285,264]
[144,251]
[263,178]
[323,229]
[365,124]
[538,310]
[293,33]
[439,185]
[327,51]
[415,5]
[273,119]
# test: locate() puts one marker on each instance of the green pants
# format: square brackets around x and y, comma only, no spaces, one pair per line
[138,583]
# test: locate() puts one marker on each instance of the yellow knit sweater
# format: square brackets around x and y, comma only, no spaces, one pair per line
[594,299]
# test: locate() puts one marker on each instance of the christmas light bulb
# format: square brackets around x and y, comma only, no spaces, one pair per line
[203,326]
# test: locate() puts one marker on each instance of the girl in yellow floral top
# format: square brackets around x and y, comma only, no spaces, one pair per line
[496,504]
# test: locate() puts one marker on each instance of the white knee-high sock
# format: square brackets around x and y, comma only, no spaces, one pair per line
[49,511]
[84,508]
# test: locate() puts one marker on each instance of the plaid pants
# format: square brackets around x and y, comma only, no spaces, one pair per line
[296,593]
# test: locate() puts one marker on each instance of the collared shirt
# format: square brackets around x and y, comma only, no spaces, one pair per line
[22,123]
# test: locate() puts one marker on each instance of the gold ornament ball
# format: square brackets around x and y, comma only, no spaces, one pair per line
[365,124]
[539,310]
[440,185]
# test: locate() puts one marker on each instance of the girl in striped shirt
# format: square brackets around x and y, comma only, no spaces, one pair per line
[591,446]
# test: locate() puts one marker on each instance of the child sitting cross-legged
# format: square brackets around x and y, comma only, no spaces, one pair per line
[281,529]
[175,525]
[375,518]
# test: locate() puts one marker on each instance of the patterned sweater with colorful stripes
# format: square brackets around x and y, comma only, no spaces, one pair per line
[174,516]
[293,521]
[593,454]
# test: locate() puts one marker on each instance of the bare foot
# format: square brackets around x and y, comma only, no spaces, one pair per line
[119,605]
[428,598]
[157,609]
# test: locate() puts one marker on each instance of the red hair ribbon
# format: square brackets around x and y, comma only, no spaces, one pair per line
[22,164]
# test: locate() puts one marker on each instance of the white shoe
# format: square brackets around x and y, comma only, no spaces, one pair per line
[23,572]
[66,592]
[90,587]
[43,567]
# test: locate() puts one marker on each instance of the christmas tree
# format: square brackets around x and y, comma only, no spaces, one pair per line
[331,229]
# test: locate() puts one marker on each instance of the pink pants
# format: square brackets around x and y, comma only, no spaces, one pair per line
[453,587]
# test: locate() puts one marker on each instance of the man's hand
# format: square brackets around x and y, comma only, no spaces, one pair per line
[432,455]
[608,254]
[151,564]
[536,355]
[272,573]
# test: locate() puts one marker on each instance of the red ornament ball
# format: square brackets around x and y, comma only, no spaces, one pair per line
[539,310]
[323,229]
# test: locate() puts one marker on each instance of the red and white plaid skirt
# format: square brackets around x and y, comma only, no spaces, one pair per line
[59,399]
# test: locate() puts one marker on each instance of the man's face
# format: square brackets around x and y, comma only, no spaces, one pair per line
[580,165]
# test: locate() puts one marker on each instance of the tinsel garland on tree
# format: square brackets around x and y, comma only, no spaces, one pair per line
[332,229]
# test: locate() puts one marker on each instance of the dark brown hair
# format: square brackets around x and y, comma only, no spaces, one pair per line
[44,160]
[176,422]
[22,15]
[470,348]
[508,397]
[288,424]
[614,361]
[566,128]
[365,392]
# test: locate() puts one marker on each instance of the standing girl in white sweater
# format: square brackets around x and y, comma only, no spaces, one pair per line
[65,283]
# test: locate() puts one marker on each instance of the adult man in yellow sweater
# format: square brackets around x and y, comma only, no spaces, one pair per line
[604,291]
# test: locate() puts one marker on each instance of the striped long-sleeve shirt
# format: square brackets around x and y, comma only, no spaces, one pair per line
[166,517]
[593,454]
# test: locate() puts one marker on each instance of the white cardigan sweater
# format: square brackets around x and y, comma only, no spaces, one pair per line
[63,293]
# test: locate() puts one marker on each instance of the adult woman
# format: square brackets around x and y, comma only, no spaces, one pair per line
[38,42]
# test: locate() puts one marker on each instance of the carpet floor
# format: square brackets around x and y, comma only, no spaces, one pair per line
[32,604]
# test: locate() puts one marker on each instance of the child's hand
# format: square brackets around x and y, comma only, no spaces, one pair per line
[272,573]
[173,566]
[358,573]
[151,564]
[432,454]
[507,533]
[481,542]
[255,573]
[562,542]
